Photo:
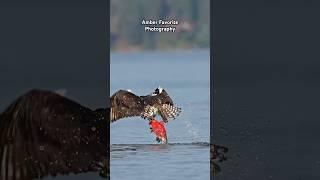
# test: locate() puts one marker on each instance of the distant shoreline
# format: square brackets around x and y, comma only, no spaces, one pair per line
[139,49]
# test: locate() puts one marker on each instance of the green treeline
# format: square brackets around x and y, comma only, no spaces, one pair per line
[127,32]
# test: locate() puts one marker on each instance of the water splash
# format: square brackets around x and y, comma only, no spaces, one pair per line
[187,121]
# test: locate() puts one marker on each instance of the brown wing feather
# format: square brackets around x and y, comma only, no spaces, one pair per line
[167,111]
[43,133]
[125,104]
[159,99]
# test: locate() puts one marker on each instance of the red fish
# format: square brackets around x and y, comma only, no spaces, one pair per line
[159,130]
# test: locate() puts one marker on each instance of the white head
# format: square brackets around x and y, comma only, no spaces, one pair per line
[157,91]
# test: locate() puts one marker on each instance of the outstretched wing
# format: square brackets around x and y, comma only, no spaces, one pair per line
[125,104]
[168,111]
[43,133]
[162,98]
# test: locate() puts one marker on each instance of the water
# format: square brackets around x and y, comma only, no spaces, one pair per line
[134,151]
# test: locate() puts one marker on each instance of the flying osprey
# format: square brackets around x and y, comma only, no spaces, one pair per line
[126,104]
[43,133]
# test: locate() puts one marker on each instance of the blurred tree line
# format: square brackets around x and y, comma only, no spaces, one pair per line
[127,33]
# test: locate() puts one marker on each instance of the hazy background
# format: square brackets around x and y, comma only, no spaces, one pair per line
[127,33]
[266,78]
[54,45]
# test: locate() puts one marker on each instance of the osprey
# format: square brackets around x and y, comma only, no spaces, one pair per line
[126,104]
[43,133]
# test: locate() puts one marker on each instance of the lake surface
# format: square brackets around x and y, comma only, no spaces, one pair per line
[134,151]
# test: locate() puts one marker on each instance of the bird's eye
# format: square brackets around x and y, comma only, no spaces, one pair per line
[158,90]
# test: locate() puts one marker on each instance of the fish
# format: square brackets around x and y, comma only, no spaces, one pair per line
[158,128]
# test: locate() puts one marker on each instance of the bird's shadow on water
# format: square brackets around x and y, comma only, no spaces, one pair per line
[120,150]
[218,153]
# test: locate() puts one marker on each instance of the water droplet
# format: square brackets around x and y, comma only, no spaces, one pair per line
[41,148]
[93,128]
